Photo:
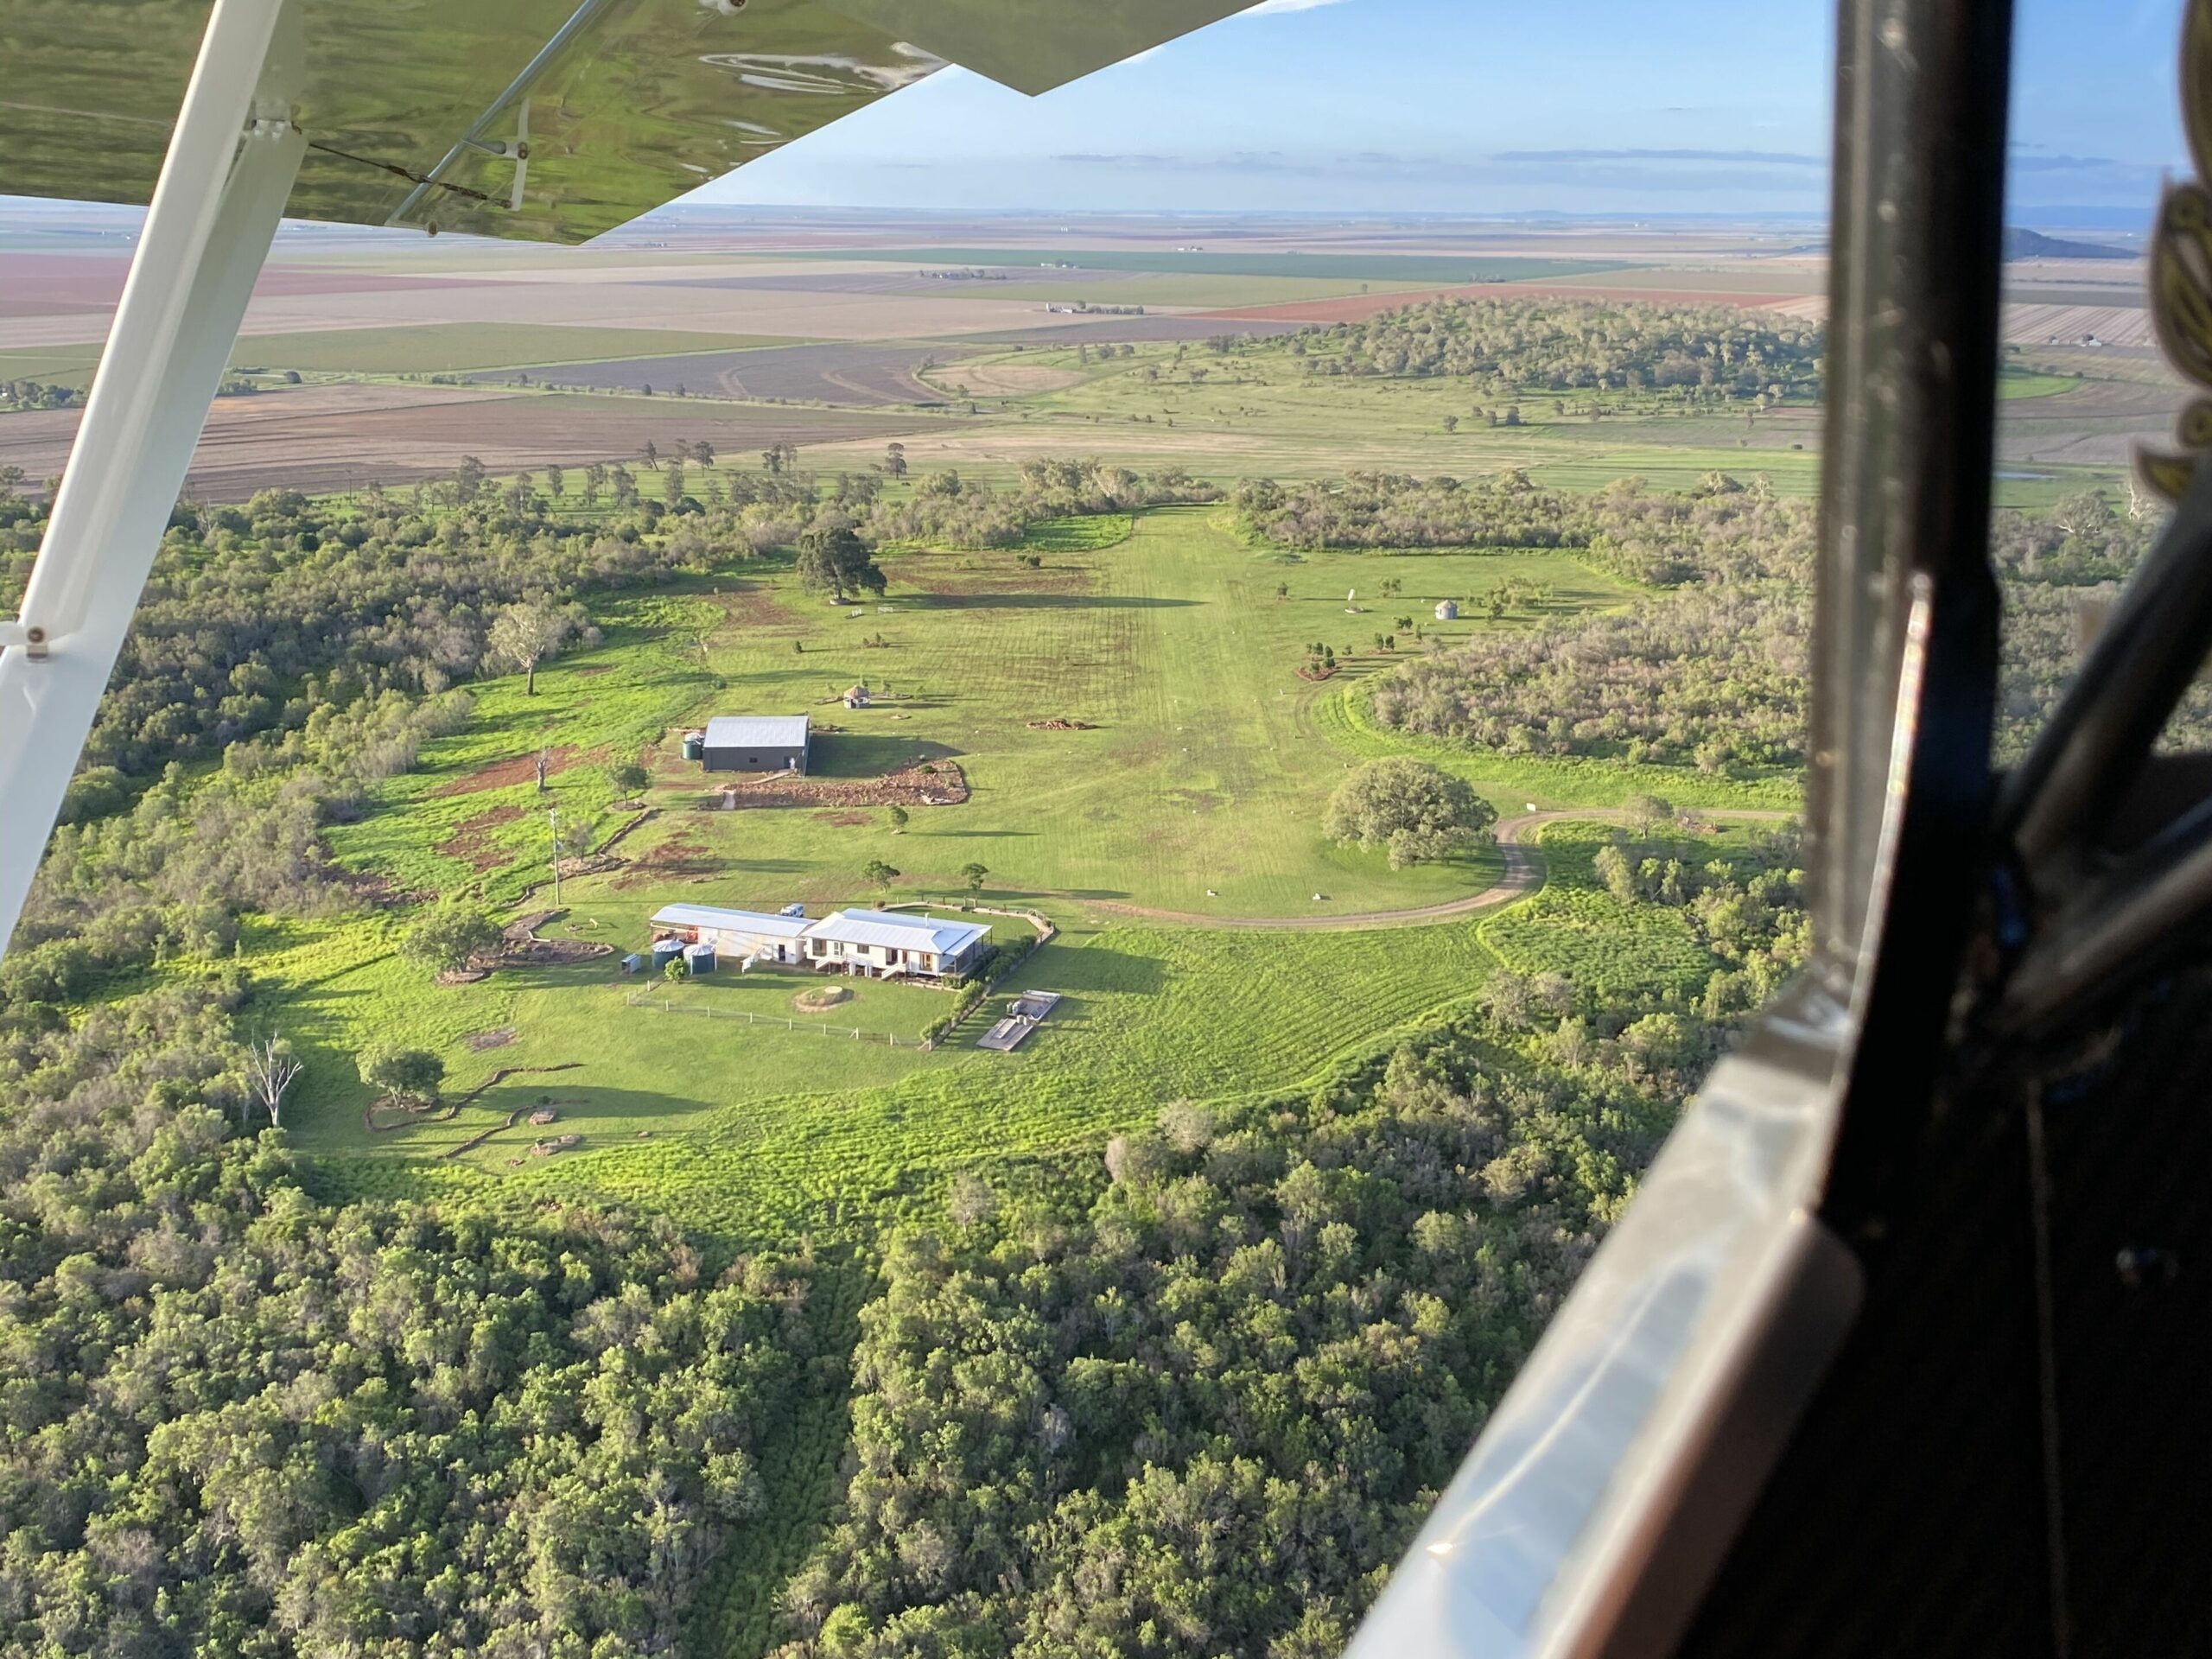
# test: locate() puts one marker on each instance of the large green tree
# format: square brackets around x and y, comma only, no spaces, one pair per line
[448,938]
[836,561]
[1417,811]
[408,1074]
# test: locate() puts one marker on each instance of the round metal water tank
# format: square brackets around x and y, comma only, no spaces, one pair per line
[695,748]
[701,957]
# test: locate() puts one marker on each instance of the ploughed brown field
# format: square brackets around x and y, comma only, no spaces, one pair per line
[336,437]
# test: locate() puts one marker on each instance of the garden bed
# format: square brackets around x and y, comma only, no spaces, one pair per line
[947,785]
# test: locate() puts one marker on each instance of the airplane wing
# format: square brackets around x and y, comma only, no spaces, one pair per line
[541,120]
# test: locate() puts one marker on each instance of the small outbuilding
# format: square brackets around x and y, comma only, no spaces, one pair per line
[856,697]
[1447,610]
[757,743]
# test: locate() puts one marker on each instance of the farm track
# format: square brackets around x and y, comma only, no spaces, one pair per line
[1523,876]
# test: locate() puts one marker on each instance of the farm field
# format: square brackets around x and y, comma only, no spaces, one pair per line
[871,374]
[1411,268]
[451,347]
[343,435]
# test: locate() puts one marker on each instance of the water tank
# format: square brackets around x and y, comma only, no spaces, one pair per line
[699,957]
[695,747]
[666,952]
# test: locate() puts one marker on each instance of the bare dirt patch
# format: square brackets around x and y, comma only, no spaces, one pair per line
[683,856]
[504,774]
[1061,726]
[479,1041]
[946,786]
[472,842]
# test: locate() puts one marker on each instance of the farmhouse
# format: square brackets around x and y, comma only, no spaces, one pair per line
[890,944]
[874,944]
[773,743]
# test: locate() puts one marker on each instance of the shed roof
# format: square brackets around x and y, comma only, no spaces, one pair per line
[757,732]
[731,921]
[899,930]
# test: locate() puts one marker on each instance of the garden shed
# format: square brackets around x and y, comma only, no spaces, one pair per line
[1447,610]
[757,743]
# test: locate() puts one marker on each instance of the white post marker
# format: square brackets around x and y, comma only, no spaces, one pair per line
[230,166]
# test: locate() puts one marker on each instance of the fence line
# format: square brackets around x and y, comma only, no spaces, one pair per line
[850,1033]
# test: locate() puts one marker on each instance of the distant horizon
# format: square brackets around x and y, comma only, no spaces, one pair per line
[2125,222]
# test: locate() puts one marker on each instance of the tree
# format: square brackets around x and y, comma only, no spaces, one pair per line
[629,779]
[894,460]
[836,561]
[271,1067]
[1416,811]
[448,938]
[649,453]
[973,874]
[899,820]
[1645,813]
[555,480]
[524,635]
[879,874]
[544,765]
[677,971]
[405,1074]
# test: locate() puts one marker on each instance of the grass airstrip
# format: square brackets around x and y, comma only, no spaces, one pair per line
[1130,721]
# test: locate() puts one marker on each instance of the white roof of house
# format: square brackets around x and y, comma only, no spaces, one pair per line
[732,921]
[897,929]
[757,732]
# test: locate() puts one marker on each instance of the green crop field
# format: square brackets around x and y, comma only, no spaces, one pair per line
[448,348]
[1196,787]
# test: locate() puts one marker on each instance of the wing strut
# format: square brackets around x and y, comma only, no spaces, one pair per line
[230,166]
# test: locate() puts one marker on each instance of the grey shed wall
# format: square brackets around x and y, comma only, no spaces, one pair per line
[777,758]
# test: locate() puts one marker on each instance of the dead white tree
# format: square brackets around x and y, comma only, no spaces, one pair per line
[271,1066]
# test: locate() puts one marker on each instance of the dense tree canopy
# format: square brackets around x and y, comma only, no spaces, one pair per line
[1556,345]
[233,1421]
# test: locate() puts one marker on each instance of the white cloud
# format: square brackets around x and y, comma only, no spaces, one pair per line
[1268,7]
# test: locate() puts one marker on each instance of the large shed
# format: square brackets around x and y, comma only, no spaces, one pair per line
[757,743]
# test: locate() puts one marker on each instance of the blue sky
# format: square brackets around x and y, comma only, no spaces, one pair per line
[1599,107]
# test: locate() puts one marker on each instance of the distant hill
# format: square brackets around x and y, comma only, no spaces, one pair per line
[2034,245]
